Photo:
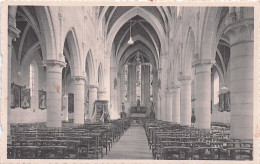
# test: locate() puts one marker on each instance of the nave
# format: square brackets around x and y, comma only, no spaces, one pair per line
[152,139]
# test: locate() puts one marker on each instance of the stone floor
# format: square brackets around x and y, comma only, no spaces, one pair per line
[132,145]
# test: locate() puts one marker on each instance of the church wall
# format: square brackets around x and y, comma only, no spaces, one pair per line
[218,116]
[32,114]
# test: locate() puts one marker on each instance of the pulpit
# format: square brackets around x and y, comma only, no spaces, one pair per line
[101,109]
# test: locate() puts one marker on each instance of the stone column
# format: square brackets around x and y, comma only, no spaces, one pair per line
[54,91]
[241,35]
[92,99]
[157,88]
[13,33]
[185,100]
[120,91]
[169,105]
[203,94]
[155,93]
[163,80]
[107,77]
[79,89]
[113,95]
[176,105]
[65,108]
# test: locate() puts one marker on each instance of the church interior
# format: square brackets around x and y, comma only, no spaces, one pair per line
[130,82]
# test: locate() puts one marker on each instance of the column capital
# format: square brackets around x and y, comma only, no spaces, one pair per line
[174,87]
[202,62]
[80,79]
[170,90]
[54,65]
[92,86]
[184,78]
[102,92]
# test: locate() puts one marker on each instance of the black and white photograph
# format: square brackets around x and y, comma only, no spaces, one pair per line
[123,83]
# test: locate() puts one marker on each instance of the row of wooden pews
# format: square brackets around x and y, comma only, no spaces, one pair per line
[87,141]
[170,141]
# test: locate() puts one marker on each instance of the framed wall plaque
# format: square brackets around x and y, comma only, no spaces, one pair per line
[15,95]
[25,97]
[42,99]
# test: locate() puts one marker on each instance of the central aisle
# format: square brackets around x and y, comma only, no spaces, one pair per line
[132,145]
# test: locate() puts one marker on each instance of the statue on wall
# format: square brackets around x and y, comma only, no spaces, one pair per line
[123,114]
[123,107]
[193,117]
[159,84]
[152,113]
[138,105]
[106,115]
[115,83]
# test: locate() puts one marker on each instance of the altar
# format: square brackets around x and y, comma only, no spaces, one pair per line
[137,114]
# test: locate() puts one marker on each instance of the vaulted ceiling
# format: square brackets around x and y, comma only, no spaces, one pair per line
[145,36]
[27,23]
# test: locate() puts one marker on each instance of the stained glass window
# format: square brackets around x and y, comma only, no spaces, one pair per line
[138,82]
[151,82]
[31,84]
[125,81]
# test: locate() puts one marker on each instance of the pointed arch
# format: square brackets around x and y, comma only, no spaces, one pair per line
[48,43]
[89,68]
[208,34]
[188,53]
[74,53]
[144,14]
[143,40]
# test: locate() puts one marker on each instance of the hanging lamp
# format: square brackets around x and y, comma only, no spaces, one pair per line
[130,41]
[224,89]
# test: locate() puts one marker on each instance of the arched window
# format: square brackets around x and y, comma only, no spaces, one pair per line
[32,79]
[216,88]
[33,72]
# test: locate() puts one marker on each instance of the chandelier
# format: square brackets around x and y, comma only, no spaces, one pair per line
[130,41]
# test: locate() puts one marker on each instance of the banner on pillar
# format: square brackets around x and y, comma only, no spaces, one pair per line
[224,102]
[71,102]
[25,97]
[221,104]
[42,99]
[227,102]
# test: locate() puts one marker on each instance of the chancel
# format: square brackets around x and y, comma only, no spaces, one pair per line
[130,82]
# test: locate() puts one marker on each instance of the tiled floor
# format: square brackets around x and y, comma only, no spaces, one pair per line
[132,145]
